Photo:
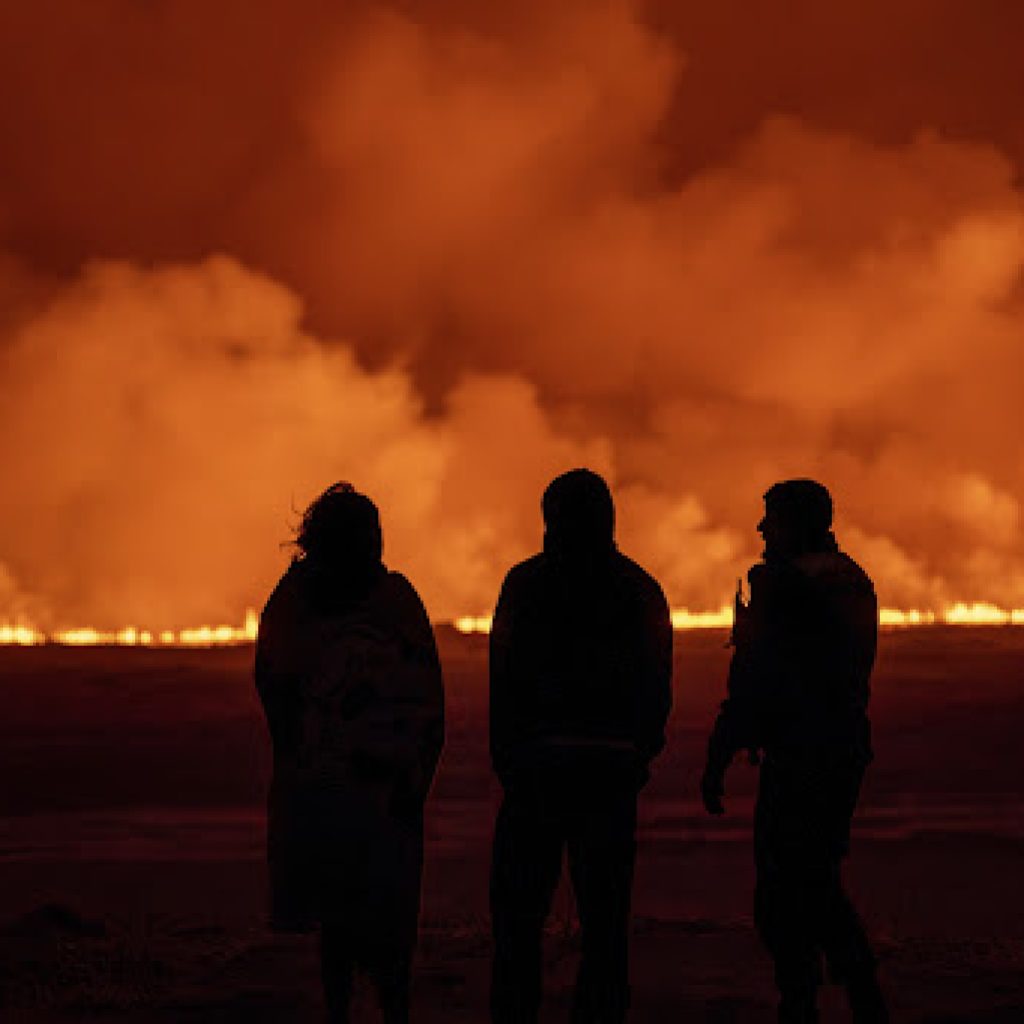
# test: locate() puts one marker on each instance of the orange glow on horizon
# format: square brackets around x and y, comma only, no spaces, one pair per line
[23,634]
[978,613]
[26,635]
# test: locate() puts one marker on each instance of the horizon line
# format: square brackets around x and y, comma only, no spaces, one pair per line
[24,634]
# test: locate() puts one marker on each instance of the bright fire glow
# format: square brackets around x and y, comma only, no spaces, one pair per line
[27,635]
[960,614]
[683,618]
[473,623]
[983,614]
[906,617]
[979,613]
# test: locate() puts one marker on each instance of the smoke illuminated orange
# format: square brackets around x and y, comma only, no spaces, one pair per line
[471,253]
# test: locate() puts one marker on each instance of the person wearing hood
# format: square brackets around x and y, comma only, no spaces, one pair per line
[349,677]
[580,690]
[797,700]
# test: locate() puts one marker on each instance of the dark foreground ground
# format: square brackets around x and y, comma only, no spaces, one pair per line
[131,845]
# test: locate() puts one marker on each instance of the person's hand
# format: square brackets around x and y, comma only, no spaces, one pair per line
[712,789]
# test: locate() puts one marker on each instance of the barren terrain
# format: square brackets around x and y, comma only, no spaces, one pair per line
[131,845]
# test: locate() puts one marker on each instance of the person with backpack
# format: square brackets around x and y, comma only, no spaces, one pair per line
[349,678]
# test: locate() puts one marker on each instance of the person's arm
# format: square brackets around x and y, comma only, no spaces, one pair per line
[432,738]
[274,684]
[736,727]
[654,692]
[425,702]
[865,629]
[505,712]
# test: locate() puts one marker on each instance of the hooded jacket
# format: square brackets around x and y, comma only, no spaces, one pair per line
[580,664]
[804,648]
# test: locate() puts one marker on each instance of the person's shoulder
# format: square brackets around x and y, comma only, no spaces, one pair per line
[285,593]
[523,573]
[396,588]
[758,572]
[836,569]
[633,570]
[398,583]
[639,578]
[285,612]
[855,577]
[854,568]
[771,580]
[396,605]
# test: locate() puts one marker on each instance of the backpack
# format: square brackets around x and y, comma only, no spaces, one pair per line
[351,725]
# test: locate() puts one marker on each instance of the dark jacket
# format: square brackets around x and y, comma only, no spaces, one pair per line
[580,662]
[805,646]
[351,686]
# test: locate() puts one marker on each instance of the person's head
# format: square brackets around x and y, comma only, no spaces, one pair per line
[579,514]
[797,517]
[341,529]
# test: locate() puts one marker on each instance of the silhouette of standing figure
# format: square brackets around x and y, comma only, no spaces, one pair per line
[348,673]
[798,694]
[580,669]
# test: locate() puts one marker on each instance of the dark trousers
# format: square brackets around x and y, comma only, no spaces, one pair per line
[596,824]
[802,913]
[388,969]
[342,859]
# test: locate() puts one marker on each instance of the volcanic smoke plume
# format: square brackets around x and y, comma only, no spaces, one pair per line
[252,249]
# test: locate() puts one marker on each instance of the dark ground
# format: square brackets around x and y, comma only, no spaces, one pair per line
[131,845]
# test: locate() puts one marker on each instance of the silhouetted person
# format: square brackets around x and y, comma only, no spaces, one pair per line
[581,661]
[348,673]
[797,699]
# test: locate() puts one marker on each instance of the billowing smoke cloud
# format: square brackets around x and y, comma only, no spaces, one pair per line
[173,421]
[463,268]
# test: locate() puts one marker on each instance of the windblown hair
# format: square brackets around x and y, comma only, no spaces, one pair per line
[341,526]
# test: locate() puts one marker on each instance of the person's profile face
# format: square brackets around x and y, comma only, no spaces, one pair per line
[775,530]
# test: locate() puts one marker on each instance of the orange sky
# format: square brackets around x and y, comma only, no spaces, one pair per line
[247,249]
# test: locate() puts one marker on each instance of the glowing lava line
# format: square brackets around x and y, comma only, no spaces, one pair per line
[978,613]
[25,635]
